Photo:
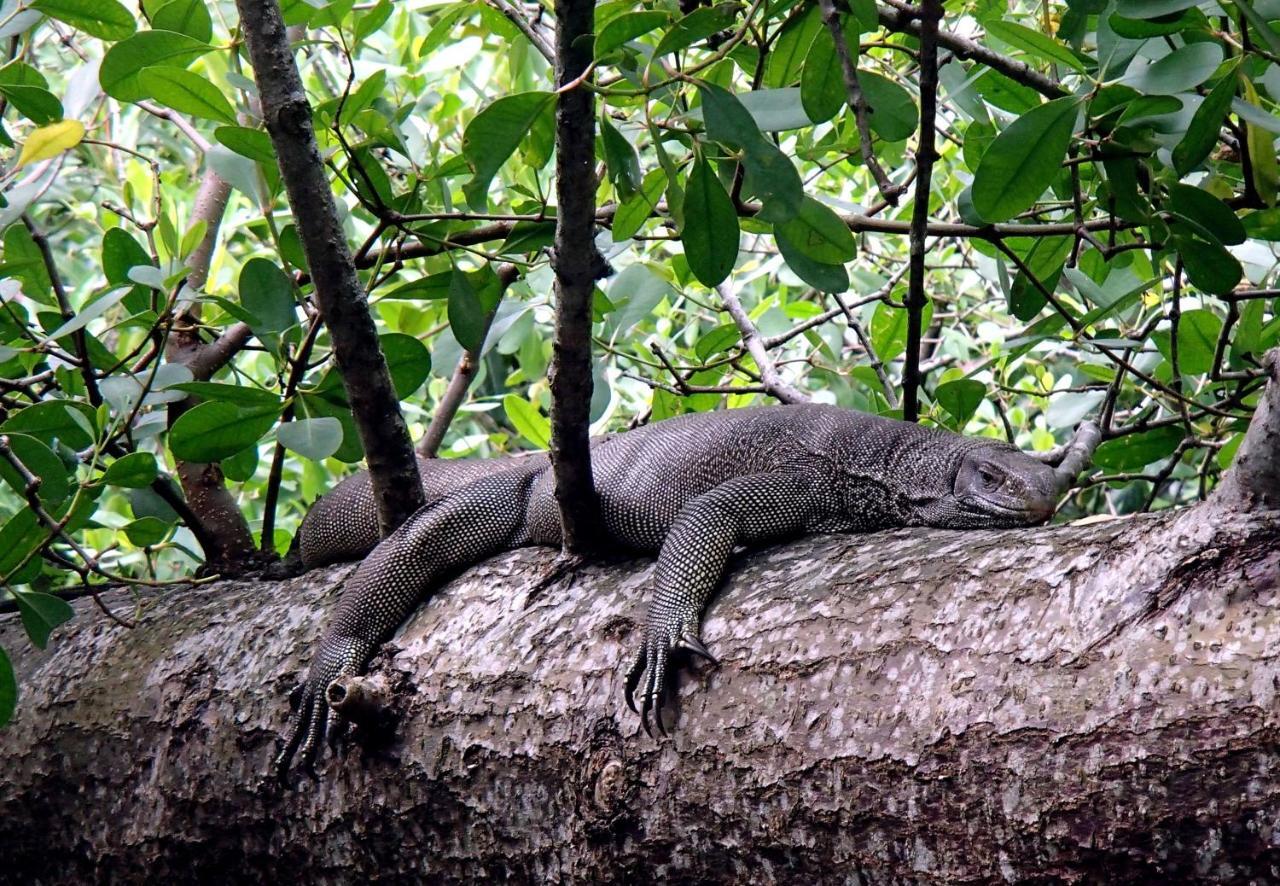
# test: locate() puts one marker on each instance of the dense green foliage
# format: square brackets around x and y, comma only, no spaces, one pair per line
[1142,132]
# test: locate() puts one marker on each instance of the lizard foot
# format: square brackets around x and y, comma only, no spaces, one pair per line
[651,666]
[313,720]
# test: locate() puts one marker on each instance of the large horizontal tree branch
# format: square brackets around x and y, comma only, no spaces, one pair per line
[1083,703]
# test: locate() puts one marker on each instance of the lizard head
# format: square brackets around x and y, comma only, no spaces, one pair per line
[1002,486]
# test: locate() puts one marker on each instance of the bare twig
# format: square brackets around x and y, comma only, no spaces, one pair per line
[858,102]
[774,383]
[925,156]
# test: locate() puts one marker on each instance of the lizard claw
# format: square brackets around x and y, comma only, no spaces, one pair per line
[313,719]
[650,668]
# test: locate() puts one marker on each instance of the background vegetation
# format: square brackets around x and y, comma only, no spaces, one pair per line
[1101,244]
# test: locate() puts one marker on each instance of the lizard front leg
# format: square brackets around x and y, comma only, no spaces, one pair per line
[754,508]
[481,519]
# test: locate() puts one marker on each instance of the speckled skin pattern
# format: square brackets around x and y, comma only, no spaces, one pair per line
[691,489]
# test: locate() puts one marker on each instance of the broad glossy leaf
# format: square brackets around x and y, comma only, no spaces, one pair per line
[770,173]
[697,25]
[134,470]
[1209,266]
[243,395]
[41,613]
[190,17]
[822,92]
[314,438]
[493,135]
[1182,69]
[1023,160]
[104,19]
[625,27]
[710,233]
[38,104]
[621,159]
[820,275]
[893,111]
[776,110]
[127,59]
[527,420]
[212,431]
[49,141]
[53,420]
[961,398]
[252,143]
[408,362]
[786,57]
[266,292]
[1135,451]
[1202,133]
[1262,151]
[1198,332]
[1035,43]
[42,462]
[1152,8]
[820,234]
[147,532]
[635,210]
[1207,210]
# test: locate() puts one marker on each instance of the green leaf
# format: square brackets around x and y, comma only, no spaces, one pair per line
[314,438]
[1263,224]
[889,329]
[125,61]
[770,173]
[1262,151]
[266,292]
[1152,8]
[1023,160]
[776,110]
[120,252]
[636,210]
[210,432]
[104,19]
[252,143]
[820,275]
[1035,43]
[42,462]
[1209,266]
[36,103]
[822,92]
[1202,132]
[820,234]
[467,315]
[1208,211]
[1135,451]
[710,233]
[408,361]
[493,135]
[527,420]
[961,398]
[1182,69]
[190,17]
[146,532]
[787,56]
[893,110]
[135,470]
[621,159]
[41,613]
[638,290]
[53,420]
[697,25]
[8,689]
[625,27]
[1198,332]
[718,340]
[242,395]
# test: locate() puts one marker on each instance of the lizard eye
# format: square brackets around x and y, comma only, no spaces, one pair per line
[989,479]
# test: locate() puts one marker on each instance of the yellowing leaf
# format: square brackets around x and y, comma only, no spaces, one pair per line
[50,141]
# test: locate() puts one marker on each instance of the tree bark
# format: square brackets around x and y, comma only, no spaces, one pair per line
[577,265]
[1085,703]
[387,448]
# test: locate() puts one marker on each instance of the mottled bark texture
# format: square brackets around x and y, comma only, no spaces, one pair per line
[1090,703]
[338,292]
[577,265]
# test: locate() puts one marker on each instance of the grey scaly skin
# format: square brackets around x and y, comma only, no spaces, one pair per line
[691,489]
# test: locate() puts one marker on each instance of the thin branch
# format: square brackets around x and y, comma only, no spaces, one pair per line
[926,153]
[460,381]
[858,102]
[774,383]
[528,28]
